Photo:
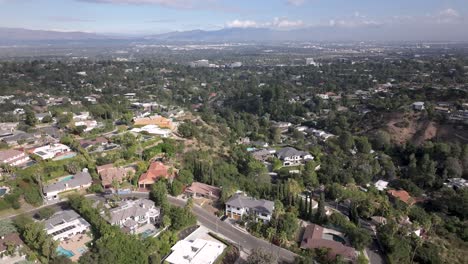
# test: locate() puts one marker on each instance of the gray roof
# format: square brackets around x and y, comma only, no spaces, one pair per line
[242,201]
[61,217]
[289,152]
[130,209]
[79,179]
[18,135]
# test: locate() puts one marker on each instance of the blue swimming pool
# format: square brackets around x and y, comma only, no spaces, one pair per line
[2,191]
[66,178]
[66,156]
[63,252]
[147,233]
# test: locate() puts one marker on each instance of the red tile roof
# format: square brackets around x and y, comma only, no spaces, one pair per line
[403,195]
[156,171]
[313,238]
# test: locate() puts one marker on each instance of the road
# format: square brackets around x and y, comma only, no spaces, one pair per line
[242,239]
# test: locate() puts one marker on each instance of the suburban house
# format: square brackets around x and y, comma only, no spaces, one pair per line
[291,156]
[401,195]
[88,124]
[14,158]
[157,120]
[198,251]
[263,154]
[51,151]
[156,171]
[79,181]
[381,185]
[239,205]
[109,173]
[153,130]
[131,214]
[11,239]
[19,138]
[455,183]
[198,189]
[65,224]
[316,236]
[87,143]
[418,106]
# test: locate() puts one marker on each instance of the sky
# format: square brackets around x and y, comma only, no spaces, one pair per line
[133,17]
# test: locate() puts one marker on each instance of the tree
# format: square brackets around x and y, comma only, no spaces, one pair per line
[363,145]
[346,141]
[159,194]
[454,167]
[261,256]
[381,140]
[359,238]
[45,213]
[31,119]
[288,224]
[176,187]
[47,119]
[321,216]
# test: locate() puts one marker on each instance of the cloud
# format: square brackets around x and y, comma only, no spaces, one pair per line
[181,4]
[296,2]
[69,19]
[278,23]
[242,24]
[161,21]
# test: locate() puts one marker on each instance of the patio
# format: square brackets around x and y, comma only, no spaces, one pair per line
[76,245]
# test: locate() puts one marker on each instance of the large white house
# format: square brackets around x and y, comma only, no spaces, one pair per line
[291,156]
[198,251]
[239,205]
[131,214]
[81,180]
[64,224]
[51,151]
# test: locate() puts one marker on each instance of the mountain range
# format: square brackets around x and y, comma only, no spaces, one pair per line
[14,36]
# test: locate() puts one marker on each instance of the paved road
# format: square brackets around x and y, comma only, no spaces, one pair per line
[242,239]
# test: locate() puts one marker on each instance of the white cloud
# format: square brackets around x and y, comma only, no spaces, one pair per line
[242,24]
[183,4]
[278,23]
[296,2]
[285,23]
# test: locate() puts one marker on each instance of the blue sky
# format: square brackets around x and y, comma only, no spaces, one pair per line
[156,16]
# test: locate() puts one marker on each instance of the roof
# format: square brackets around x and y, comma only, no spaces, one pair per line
[8,154]
[314,238]
[289,152]
[90,142]
[12,238]
[79,179]
[402,195]
[205,189]
[156,171]
[199,251]
[130,209]
[61,217]
[243,201]
[109,173]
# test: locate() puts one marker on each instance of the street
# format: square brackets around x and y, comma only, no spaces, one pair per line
[243,240]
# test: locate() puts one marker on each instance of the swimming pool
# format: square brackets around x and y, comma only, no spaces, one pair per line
[63,252]
[147,233]
[66,178]
[66,156]
[3,191]
[337,238]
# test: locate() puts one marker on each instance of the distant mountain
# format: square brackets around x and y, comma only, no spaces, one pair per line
[21,34]
[264,35]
